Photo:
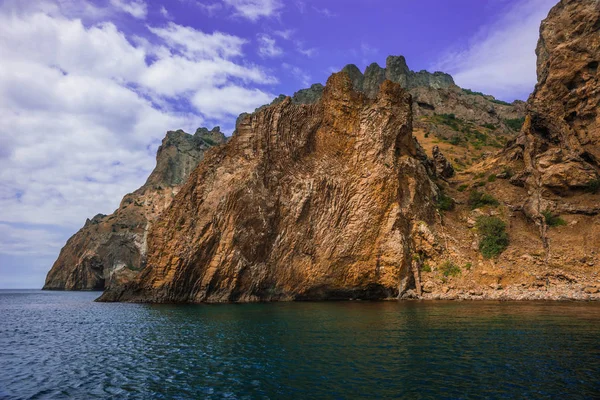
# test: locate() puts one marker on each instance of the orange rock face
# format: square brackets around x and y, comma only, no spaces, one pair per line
[304,202]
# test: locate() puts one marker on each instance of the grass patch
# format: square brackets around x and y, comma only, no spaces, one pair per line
[593,186]
[472,93]
[426,267]
[553,220]
[504,103]
[448,120]
[490,126]
[515,124]
[445,202]
[448,268]
[494,239]
[492,178]
[479,199]
[463,187]
[455,140]
[209,141]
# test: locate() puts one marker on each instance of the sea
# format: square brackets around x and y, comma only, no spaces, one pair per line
[63,345]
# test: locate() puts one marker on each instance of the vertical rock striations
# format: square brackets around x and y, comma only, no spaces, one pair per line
[113,247]
[317,201]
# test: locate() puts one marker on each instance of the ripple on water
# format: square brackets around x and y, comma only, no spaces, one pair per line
[63,345]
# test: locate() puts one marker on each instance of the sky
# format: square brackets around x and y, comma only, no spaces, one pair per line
[89,88]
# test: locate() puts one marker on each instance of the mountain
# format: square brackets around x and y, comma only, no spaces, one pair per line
[315,201]
[112,247]
[330,194]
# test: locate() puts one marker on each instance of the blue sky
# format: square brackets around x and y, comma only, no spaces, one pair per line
[89,88]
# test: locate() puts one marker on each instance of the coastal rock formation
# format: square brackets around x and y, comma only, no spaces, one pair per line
[112,247]
[307,201]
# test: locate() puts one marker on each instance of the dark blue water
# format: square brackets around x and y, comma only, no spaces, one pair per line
[62,345]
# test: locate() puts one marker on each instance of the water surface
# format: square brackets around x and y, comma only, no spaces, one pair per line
[63,345]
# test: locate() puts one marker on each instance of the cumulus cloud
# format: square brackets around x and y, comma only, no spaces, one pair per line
[135,8]
[500,59]
[255,9]
[231,100]
[197,44]
[267,46]
[84,106]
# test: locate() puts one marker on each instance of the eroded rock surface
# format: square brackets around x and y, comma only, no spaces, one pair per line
[443,167]
[319,201]
[113,247]
[560,142]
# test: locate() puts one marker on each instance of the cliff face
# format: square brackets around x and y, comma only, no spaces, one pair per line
[112,247]
[561,140]
[326,200]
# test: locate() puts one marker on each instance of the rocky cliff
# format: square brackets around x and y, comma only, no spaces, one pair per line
[319,201]
[328,195]
[113,247]
[534,208]
[559,146]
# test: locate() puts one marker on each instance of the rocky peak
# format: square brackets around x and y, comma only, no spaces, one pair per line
[211,138]
[396,70]
[179,154]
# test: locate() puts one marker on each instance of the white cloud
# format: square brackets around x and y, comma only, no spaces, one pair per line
[267,46]
[197,44]
[136,8]
[255,9]
[231,100]
[164,12]
[210,9]
[307,52]
[176,75]
[84,106]
[500,59]
[326,12]
[284,34]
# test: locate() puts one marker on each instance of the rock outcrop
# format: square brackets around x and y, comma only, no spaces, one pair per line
[443,168]
[113,247]
[319,201]
[560,140]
